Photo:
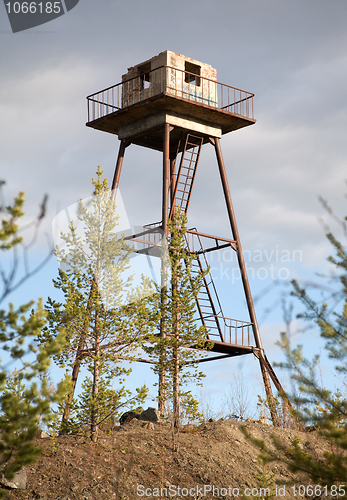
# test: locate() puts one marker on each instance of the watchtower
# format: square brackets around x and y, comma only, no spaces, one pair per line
[174,104]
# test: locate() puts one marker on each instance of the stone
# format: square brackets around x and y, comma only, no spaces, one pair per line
[263,421]
[43,435]
[19,482]
[128,416]
[149,425]
[149,415]
[41,496]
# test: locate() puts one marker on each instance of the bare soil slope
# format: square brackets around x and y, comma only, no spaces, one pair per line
[136,461]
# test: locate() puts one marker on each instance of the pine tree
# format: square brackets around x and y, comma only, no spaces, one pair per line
[24,399]
[184,340]
[318,407]
[108,406]
[104,317]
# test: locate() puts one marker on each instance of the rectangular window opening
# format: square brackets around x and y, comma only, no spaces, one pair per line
[145,75]
[193,73]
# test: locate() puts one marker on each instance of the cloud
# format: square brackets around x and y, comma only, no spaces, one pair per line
[291,54]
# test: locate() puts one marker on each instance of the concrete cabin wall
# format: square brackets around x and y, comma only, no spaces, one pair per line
[170,81]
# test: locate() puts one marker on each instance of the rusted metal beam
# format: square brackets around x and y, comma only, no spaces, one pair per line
[164,223]
[172,182]
[211,249]
[245,282]
[166,178]
[146,242]
[203,360]
[142,233]
[204,235]
[123,145]
[236,237]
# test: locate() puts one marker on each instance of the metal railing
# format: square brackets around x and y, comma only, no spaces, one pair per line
[146,237]
[167,80]
[237,332]
[234,331]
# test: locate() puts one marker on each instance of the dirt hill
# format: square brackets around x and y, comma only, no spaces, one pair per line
[136,461]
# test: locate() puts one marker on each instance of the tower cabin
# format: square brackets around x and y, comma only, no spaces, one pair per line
[169,89]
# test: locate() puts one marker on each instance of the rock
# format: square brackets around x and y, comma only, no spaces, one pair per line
[149,425]
[41,496]
[128,416]
[134,423]
[311,428]
[263,421]
[43,435]
[149,415]
[235,417]
[19,482]
[211,420]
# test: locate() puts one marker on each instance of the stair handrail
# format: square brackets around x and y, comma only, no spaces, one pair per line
[201,250]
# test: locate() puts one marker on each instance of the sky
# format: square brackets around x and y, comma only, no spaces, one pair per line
[291,55]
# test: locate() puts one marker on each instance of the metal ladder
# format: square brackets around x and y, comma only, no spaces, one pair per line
[186,173]
[207,296]
[210,317]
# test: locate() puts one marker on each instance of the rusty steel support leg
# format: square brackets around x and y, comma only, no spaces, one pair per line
[165,214]
[172,182]
[124,144]
[245,282]
[166,177]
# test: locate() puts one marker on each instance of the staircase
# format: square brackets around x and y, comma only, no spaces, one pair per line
[211,317]
[186,173]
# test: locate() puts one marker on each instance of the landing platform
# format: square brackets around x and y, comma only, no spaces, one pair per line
[230,349]
[137,108]
[142,122]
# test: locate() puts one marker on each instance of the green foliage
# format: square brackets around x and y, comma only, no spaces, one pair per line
[318,406]
[265,484]
[97,297]
[108,406]
[9,227]
[333,411]
[25,400]
[190,412]
[104,316]
[286,415]
[189,409]
[177,354]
